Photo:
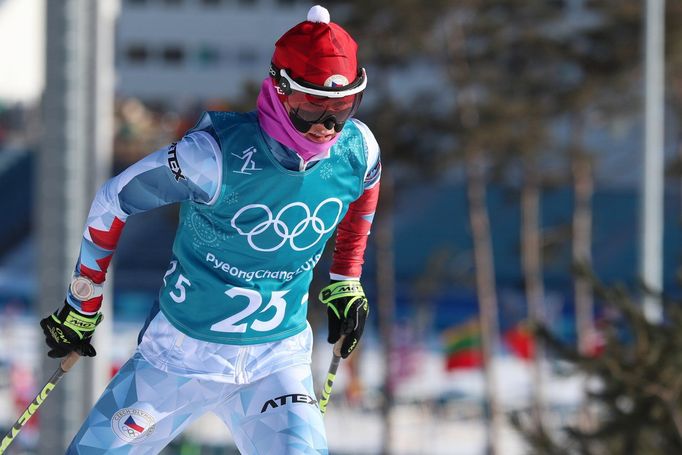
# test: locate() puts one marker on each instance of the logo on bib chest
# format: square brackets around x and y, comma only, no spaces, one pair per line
[249,165]
[133,425]
[294,224]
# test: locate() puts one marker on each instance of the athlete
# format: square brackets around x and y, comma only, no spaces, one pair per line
[260,193]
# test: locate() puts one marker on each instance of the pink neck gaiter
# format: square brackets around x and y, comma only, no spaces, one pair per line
[274,119]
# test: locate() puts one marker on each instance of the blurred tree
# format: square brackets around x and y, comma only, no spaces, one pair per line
[674,95]
[396,33]
[514,72]
[637,385]
[608,58]
[491,109]
[517,65]
[604,58]
[673,42]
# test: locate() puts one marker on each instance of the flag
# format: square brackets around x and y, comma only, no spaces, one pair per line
[519,341]
[596,339]
[404,354]
[463,345]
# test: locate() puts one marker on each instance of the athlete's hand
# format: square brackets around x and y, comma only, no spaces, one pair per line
[347,310]
[69,330]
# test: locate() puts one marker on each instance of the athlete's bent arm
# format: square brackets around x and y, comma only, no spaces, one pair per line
[347,307]
[187,170]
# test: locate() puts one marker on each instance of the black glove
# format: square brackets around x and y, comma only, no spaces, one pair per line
[69,330]
[347,310]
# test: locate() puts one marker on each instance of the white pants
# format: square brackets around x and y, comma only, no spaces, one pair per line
[143,408]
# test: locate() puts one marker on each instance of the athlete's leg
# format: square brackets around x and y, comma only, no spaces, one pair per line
[142,410]
[276,415]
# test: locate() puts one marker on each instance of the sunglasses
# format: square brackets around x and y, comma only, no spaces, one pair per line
[309,104]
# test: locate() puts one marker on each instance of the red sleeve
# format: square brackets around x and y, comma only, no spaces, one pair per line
[100,246]
[352,234]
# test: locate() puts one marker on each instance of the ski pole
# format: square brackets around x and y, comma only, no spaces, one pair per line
[64,366]
[331,375]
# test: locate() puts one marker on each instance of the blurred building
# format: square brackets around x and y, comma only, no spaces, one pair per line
[179,51]
[173,51]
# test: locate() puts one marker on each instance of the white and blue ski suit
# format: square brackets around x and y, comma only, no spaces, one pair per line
[229,333]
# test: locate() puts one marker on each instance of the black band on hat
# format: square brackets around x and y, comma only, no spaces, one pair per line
[275,73]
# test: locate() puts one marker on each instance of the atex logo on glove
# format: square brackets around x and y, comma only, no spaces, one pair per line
[347,310]
[69,330]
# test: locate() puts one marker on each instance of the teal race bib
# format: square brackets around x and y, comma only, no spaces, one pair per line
[242,266]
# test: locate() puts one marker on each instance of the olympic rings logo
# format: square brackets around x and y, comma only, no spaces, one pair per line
[309,223]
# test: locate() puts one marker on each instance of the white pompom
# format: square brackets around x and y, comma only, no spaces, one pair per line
[318,14]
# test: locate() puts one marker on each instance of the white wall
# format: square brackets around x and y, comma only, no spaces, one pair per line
[22,49]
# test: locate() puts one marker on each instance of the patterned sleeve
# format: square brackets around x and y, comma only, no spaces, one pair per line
[189,169]
[353,231]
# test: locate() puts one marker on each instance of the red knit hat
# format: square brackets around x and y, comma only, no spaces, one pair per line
[318,51]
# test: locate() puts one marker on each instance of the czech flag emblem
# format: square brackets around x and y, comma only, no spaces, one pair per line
[130,422]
